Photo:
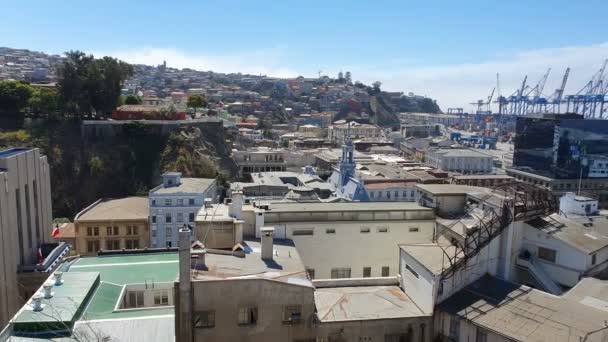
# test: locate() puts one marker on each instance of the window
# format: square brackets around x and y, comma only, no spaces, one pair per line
[388,194]
[108,231]
[191,217]
[115,229]
[404,194]
[339,273]
[330,231]
[180,217]
[113,245]
[191,201]
[153,218]
[167,201]
[365,230]
[168,218]
[135,299]
[371,194]
[204,319]
[546,254]
[414,229]
[367,272]
[153,202]
[396,193]
[412,193]
[311,273]
[292,314]
[481,336]
[132,244]
[161,297]
[385,271]
[92,246]
[89,231]
[180,202]
[132,230]
[593,259]
[383,230]
[153,232]
[96,231]
[248,316]
[299,232]
[454,328]
[407,267]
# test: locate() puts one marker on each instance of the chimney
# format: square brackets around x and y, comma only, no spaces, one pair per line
[37,302]
[48,290]
[236,207]
[58,280]
[267,243]
[183,324]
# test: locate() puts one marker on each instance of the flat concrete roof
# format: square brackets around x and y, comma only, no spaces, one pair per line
[364,302]
[451,189]
[285,266]
[187,185]
[591,292]
[583,233]
[345,206]
[521,313]
[430,255]
[129,208]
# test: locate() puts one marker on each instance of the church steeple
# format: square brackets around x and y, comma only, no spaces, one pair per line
[347,163]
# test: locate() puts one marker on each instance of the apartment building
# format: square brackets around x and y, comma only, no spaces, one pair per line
[261,159]
[112,224]
[459,160]
[174,203]
[25,220]
[338,131]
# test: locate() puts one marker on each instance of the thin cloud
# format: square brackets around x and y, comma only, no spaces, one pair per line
[452,85]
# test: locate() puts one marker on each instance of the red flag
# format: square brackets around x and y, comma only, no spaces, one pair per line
[56,231]
[40,257]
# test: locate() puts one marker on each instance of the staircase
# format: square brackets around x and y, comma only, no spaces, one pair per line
[531,263]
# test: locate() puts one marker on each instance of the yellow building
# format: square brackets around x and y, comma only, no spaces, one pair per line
[112,225]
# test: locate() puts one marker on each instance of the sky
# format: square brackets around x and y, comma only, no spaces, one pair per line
[448,50]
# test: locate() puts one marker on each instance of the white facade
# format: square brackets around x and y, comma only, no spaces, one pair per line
[463,161]
[175,203]
[25,219]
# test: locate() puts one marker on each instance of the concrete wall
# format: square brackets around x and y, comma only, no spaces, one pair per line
[467,331]
[24,224]
[80,230]
[348,247]
[227,296]
[218,234]
[421,289]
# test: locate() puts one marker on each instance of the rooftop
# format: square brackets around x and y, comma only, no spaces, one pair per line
[451,189]
[588,234]
[12,152]
[447,152]
[430,255]
[187,185]
[129,208]
[285,266]
[591,292]
[364,302]
[524,314]
[345,206]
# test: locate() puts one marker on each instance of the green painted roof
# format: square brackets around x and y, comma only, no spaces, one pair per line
[118,270]
[63,309]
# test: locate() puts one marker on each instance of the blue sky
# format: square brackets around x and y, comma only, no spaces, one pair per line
[450,50]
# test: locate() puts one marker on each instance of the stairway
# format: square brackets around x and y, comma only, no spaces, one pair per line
[531,263]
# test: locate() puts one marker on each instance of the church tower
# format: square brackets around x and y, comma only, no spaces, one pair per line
[347,163]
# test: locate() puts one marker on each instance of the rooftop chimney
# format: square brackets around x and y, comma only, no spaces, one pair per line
[48,290]
[58,280]
[37,302]
[267,243]
[236,207]
[183,325]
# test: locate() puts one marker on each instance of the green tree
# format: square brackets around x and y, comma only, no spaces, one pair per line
[132,100]
[376,86]
[14,96]
[43,101]
[91,86]
[196,101]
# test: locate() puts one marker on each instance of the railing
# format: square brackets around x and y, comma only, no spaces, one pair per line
[527,260]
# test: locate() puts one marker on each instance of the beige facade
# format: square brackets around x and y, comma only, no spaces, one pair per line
[25,219]
[336,133]
[112,225]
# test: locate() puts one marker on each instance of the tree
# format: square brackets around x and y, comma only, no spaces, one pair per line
[132,100]
[14,96]
[376,86]
[91,86]
[43,101]
[196,101]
